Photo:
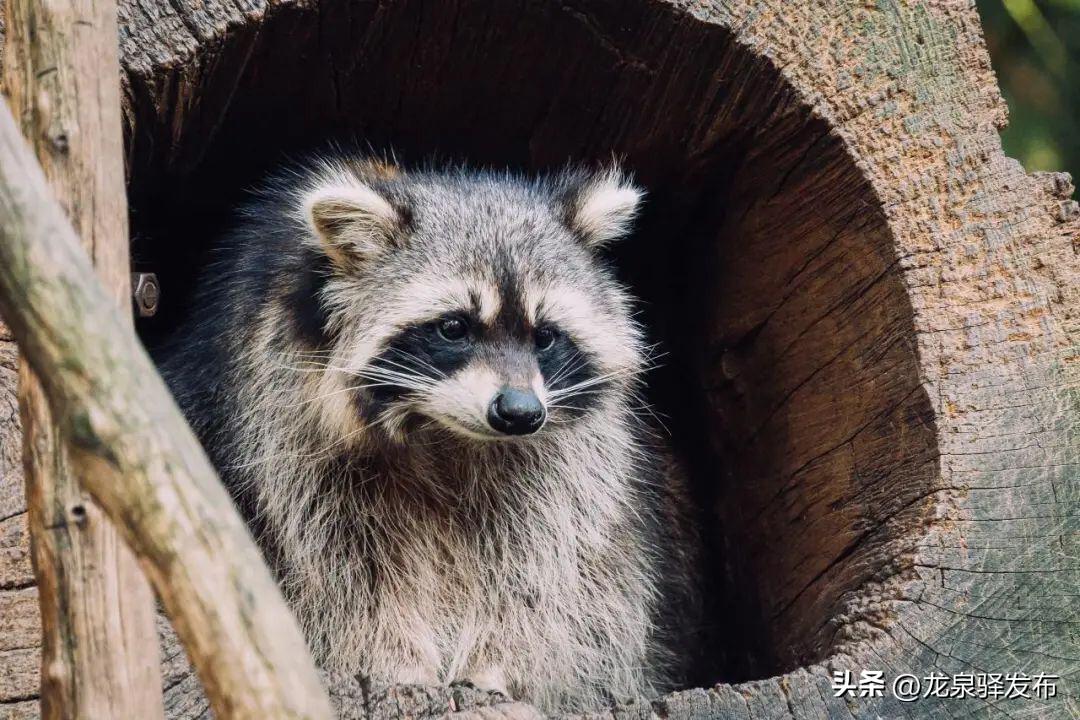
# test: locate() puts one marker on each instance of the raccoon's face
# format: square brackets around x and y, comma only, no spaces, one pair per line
[471,302]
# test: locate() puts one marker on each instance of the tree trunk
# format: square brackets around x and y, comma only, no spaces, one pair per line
[873,315]
[99,646]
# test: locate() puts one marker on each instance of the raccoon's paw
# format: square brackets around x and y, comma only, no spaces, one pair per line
[489,680]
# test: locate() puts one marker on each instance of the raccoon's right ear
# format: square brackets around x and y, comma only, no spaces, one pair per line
[353,221]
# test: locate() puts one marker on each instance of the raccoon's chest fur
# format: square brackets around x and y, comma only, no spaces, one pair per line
[526,567]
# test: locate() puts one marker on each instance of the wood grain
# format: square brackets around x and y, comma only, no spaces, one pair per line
[99,647]
[138,460]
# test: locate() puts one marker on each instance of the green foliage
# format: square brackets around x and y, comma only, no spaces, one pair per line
[1035,48]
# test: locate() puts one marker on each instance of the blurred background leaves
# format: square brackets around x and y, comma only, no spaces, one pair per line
[1035,48]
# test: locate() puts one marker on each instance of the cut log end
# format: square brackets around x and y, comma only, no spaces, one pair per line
[763,259]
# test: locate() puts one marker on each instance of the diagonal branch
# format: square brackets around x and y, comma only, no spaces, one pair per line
[140,461]
[98,641]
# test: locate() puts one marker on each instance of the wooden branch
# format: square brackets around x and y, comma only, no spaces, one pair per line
[140,462]
[99,645]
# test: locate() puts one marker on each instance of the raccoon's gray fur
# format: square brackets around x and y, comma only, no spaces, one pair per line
[422,389]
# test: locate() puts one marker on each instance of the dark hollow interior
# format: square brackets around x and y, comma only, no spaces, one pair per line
[762,258]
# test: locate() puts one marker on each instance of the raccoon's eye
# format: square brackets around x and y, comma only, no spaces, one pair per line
[452,328]
[545,337]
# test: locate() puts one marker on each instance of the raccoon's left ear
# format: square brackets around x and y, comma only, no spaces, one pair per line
[603,208]
[353,221]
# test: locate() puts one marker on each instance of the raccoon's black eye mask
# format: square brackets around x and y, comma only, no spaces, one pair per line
[434,349]
[437,349]
[459,328]
[563,364]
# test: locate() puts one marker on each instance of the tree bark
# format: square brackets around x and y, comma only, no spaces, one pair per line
[140,462]
[99,646]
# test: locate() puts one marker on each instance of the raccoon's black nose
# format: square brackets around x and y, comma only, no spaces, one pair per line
[516,412]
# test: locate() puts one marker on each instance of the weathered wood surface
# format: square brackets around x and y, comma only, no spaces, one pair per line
[138,460]
[99,647]
[891,360]
[20,628]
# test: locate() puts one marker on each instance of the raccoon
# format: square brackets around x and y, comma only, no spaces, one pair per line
[422,388]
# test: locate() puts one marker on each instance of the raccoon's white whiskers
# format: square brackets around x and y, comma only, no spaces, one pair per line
[563,368]
[397,384]
[593,381]
[383,377]
[648,409]
[385,363]
[317,368]
[566,408]
[387,376]
[373,371]
[567,369]
[595,391]
[422,362]
[649,351]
